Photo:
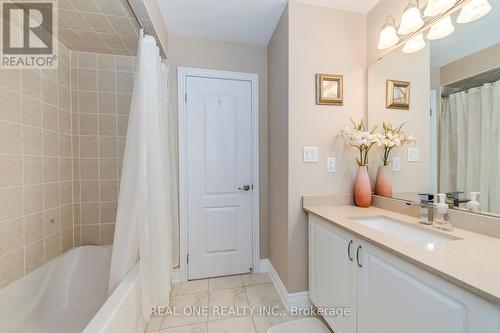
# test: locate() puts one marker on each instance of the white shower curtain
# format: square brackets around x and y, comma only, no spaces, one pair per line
[470,144]
[145,213]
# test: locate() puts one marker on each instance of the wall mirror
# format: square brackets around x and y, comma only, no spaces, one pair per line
[453,112]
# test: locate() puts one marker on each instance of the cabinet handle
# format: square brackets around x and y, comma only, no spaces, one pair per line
[357,256]
[349,250]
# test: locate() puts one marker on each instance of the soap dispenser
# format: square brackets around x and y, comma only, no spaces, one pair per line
[473,205]
[441,219]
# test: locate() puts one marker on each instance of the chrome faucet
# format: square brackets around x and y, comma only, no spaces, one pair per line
[426,208]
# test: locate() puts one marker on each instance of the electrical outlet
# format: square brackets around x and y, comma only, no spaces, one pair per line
[310,154]
[396,164]
[413,155]
[331,164]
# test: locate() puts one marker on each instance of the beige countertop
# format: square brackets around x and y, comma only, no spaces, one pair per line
[469,262]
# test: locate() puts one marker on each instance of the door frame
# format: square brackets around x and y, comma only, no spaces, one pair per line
[182,74]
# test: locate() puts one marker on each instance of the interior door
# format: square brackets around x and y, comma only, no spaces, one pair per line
[219,176]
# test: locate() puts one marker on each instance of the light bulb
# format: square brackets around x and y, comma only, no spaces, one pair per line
[441,29]
[411,20]
[415,44]
[436,7]
[473,11]
[388,35]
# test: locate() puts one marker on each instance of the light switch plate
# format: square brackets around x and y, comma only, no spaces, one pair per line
[310,154]
[331,164]
[396,164]
[413,155]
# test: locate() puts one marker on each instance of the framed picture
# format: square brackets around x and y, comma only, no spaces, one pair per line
[398,95]
[329,89]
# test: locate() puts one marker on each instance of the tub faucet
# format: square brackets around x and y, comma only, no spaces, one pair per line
[426,208]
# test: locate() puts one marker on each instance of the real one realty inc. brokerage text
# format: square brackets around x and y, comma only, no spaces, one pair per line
[236,311]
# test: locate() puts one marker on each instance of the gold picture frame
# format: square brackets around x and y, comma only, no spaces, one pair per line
[397,95]
[329,89]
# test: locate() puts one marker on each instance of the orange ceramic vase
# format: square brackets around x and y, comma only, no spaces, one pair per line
[362,188]
[383,184]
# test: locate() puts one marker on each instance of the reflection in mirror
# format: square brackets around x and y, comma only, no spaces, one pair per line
[457,78]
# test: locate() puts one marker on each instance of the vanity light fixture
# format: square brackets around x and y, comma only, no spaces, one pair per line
[473,11]
[411,20]
[436,7]
[414,44]
[441,29]
[388,35]
[438,21]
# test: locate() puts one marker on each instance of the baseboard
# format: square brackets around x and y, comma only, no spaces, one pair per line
[297,300]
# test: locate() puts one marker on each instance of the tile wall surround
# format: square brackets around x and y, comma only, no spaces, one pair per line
[62,137]
[36,203]
[101,87]
[104,26]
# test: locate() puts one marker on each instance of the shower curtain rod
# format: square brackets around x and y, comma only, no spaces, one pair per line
[136,17]
[153,33]
[471,87]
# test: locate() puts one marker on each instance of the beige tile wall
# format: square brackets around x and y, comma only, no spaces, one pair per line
[101,87]
[36,203]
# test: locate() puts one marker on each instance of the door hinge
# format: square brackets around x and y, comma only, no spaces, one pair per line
[185,97]
[187,258]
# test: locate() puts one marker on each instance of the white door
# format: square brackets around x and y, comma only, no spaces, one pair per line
[332,272]
[219,176]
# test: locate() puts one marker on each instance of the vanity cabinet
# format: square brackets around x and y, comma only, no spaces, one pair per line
[385,293]
[332,274]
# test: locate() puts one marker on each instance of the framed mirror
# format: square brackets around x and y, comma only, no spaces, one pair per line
[453,112]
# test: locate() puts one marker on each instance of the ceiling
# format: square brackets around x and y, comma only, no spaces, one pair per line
[103,26]
[358,6]
[243,21]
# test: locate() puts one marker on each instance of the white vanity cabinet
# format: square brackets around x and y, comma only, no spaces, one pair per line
[385,293]
[332,274]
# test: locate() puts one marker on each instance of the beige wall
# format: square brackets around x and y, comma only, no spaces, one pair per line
[35,167]
[319,44]
[376,19]
[101,87]
[414,68]
[212,54]
[476,63]
[302,46]
[278,64]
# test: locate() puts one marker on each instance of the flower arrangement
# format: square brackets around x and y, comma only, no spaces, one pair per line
[392,138]
[362,139]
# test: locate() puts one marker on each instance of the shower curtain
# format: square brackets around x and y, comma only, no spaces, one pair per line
[145,212]
[470,144]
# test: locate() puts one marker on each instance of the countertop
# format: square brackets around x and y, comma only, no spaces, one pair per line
[470,262]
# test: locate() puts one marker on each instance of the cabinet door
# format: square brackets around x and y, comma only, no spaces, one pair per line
[395,297]
[331,273]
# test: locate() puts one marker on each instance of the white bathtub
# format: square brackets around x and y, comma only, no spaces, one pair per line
[69,295]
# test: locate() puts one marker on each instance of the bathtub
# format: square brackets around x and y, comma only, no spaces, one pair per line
[69,295]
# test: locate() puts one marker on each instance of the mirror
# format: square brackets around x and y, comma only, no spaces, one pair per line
[453,111]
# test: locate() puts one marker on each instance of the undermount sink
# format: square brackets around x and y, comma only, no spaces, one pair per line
[407,233]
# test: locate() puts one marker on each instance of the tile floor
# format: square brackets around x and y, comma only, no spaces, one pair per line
[238,292]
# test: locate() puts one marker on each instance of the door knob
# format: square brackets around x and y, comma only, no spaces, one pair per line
[244,188]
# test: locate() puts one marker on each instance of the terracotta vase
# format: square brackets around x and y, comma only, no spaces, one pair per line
[383,184]
[362,188]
